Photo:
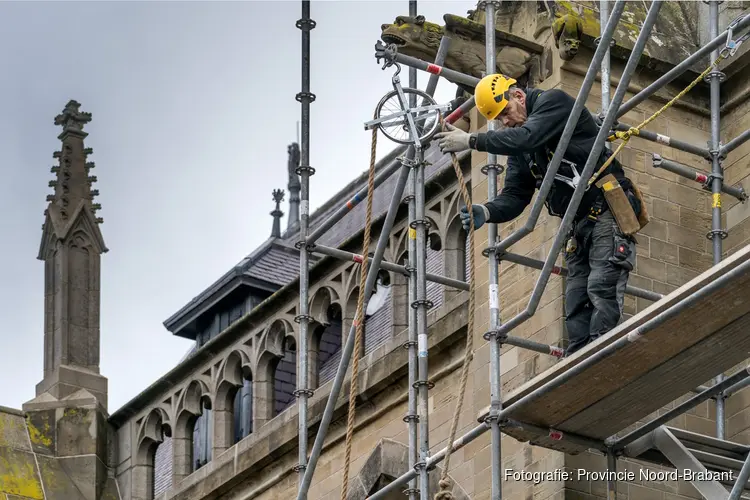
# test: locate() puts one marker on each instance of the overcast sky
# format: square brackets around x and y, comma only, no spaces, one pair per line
[193,108]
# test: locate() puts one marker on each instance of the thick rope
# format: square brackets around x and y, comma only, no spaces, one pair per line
[626,135]
[359,321]
[445,492]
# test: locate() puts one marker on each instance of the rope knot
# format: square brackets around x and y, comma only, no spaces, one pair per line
[445,492]
[625,136]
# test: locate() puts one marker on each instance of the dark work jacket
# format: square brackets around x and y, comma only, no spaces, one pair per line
[530,147]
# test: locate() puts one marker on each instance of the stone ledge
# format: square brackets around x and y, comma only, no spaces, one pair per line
[378,371]
[11,411]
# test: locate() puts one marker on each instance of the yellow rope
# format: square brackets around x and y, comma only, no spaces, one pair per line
[445,492]
[626,135]
[359,321]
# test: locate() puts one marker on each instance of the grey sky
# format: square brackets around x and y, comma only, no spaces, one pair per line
[193,108]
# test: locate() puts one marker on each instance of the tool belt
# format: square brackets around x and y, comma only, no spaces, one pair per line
[621,196]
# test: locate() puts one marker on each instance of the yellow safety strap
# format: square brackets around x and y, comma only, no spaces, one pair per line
[626,135]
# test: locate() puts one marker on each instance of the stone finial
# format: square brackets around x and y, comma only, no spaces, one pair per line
[71,119]
[294,184]
[277,214]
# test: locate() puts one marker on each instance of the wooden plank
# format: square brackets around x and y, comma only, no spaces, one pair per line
[672,337]
[666,383]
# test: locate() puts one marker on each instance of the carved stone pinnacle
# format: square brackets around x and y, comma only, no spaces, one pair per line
[71,119]
[278,195]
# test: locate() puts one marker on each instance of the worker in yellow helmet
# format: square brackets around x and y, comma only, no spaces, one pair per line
[599,255]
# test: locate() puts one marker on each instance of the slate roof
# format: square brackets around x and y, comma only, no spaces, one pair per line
[279,265]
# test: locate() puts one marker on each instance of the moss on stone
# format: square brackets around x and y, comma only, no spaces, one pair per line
[18,474]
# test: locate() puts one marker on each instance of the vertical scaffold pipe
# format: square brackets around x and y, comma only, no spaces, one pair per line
[421,305]
[412,417]
[305,97]
[716,235]
[603,18]
[605,76]
[492,172]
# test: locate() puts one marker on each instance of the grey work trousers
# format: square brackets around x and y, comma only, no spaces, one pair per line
[598,270]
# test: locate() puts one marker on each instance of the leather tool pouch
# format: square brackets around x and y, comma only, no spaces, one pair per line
[620,205]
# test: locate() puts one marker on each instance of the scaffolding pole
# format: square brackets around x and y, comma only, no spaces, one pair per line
[421,304]
[355,200]
[694,175]
[492,169]
[605,78]
[636,335]
[305,97]
[735,143]
[389,266]
[715,77]
[667,141]
[412,417]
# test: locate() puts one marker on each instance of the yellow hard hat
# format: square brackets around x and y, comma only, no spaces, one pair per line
[491,95]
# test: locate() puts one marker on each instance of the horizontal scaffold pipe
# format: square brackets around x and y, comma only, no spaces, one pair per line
[735,143]
[717,42]
[552,350]
[694,175]
[633,336]
[561,271]
[668,141]
[451,75]
[554,433]
[355,200]
[388,266]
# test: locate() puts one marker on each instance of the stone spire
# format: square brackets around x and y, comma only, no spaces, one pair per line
[71,247]
[277,214]
[294,185]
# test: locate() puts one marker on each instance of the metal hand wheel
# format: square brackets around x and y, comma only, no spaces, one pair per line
[393,120]
[403,124]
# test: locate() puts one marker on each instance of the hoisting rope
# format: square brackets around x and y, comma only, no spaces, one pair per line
[626,135]
[445,492]
[358,321]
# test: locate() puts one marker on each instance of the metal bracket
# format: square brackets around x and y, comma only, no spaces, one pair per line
[419,383]
[493,166]
[722,234]
[732,46]
[715,74]
[411,163]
